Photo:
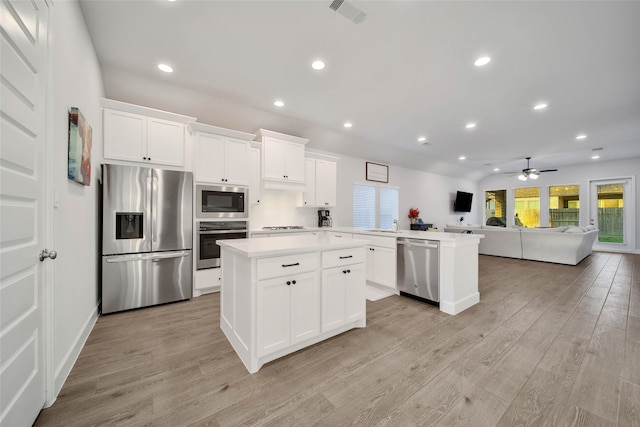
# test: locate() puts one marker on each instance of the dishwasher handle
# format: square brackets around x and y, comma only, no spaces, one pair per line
[430,244]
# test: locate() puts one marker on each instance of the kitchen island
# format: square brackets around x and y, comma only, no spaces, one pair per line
[458,259]
[281,294]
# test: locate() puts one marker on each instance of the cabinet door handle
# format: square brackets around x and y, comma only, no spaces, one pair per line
[288,282]
[344,271]
[293,282]
[290,265]
[345,257]
[348,271]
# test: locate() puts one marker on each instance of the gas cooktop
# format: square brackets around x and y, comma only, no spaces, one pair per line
[284,227]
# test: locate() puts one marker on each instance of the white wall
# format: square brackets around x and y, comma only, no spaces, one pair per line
[432,194]
[77,82]
[575,174]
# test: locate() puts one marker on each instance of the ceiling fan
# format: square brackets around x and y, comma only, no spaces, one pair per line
[532,173]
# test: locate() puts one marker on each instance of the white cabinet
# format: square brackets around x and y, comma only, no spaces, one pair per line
[255,178]
[221,155]
[381,266]
[381,260]
[220,159]
[144,135]
[343,296]
[282,160]
[320,183]
[284,294]
[309,194]
[288,311]
[326,172]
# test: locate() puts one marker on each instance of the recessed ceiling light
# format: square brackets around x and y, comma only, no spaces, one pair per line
[595,157]
[317,65]
[461,157]
[496,169]
[165,68]
[470,125]
[482,61]
[278,103]
[347,125]
[540,106]
[422,139]
[581,136]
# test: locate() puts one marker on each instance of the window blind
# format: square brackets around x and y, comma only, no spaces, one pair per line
[364,206]
[388,206]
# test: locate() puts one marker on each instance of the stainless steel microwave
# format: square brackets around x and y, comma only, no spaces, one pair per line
[215,201]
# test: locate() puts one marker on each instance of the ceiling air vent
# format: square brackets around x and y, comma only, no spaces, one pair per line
[348,10]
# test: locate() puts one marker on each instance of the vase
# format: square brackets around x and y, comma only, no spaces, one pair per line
[414,220]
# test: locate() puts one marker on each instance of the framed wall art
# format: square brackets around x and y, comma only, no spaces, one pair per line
[377,172]
[79,166]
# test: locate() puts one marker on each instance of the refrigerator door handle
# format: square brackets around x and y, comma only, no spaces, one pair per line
[152,189]
[146,257]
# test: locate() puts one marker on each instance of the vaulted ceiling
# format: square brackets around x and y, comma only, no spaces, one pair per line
[404,72]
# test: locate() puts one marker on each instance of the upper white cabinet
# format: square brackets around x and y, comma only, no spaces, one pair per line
[254,186]
[138,134]
[282,160]
[221,155]
[320,182]
[326,172]
[309,195]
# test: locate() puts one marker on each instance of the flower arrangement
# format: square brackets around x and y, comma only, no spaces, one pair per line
[413,213]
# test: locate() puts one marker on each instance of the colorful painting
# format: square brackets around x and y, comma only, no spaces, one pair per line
[79,148]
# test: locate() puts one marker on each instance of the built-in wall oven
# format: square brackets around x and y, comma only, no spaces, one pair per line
[216,201]
[207,250]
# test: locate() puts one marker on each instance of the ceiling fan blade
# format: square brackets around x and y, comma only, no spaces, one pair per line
[548,170]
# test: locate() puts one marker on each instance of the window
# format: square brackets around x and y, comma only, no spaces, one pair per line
[388,206]
[527,203]
[374,206]
[495,209]
[564,205]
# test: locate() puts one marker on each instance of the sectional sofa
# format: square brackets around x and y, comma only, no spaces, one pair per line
[562,245]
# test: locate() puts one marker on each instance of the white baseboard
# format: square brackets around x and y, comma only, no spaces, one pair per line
[62,371]
[460,305]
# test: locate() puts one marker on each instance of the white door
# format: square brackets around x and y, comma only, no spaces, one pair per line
[305,307]
[612,211]
[333,298]
[236,157]
[24,39]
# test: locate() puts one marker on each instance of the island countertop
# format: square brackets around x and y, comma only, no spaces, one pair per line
[284,245]
[441,236]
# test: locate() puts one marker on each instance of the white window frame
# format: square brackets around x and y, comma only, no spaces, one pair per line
[377,205]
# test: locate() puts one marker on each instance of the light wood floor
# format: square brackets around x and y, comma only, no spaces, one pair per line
[547,345]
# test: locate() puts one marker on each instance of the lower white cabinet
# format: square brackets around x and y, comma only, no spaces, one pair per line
[288,311]
[381,266]
[343,299]
[279,295]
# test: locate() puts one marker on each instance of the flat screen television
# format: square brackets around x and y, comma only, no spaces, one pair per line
[463,202]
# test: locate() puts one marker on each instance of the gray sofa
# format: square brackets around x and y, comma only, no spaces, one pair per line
[562,245]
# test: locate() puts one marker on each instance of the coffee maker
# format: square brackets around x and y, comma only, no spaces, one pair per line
[324,218]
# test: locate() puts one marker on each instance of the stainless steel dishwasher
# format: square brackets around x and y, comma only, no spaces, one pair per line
[418,269]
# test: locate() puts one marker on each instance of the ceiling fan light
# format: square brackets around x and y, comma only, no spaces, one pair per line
[533,175]
[522,177]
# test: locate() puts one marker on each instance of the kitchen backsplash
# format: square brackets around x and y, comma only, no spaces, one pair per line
[281,208]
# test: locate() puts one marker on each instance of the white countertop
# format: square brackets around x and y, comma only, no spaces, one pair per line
[283,245]
[411,234]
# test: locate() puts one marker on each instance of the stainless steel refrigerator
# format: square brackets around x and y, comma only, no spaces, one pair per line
[147,237]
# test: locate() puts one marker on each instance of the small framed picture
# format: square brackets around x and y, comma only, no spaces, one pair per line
[377,172]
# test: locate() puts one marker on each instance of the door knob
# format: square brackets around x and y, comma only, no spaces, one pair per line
[46,254]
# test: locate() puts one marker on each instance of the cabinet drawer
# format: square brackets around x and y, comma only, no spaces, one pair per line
[286,265]
[342,257]
[338,234]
